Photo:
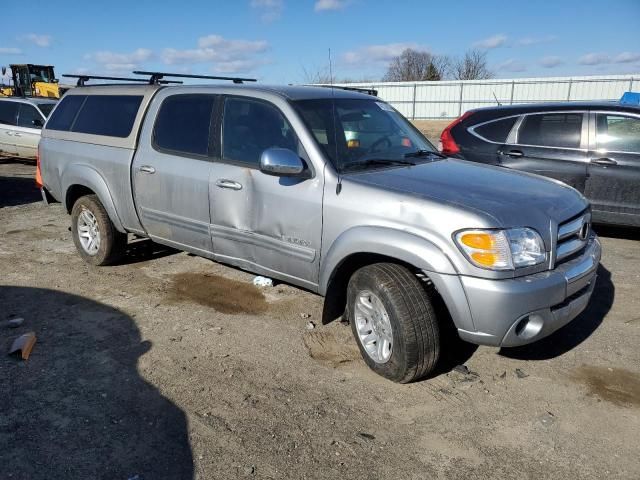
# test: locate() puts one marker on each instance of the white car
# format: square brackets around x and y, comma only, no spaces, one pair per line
[21,120]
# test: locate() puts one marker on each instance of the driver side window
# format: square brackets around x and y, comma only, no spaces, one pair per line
[250,127]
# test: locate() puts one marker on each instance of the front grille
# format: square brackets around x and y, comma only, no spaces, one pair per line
[572,237]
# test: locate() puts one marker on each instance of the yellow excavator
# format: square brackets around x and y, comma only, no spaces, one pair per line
[28,80]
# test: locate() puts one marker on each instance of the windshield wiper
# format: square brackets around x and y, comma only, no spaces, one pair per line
[376,162]
[424,153]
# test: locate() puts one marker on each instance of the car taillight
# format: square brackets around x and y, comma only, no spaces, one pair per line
[38,172]
[447,144]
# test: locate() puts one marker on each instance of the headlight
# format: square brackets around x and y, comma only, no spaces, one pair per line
[502,249]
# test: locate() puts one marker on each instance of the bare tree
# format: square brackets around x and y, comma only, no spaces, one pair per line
[317,75]
[413,65]
[473,66]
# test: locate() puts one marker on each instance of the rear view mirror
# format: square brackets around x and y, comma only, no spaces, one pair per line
[281,162]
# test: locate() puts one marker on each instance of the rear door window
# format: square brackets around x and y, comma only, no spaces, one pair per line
[617,133]
[109,115]
[8,113]
[497,130]
[64,115]
[551,130]
[183,124]
[29,117]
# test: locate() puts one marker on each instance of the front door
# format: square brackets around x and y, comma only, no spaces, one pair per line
[550,144]
[27,134]
[613,183]
[271,225]
[171,171]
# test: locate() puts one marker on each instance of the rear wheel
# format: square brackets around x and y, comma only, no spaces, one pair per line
[393,321]
[96,238]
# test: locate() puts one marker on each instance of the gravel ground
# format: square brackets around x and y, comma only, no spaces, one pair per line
[172,366]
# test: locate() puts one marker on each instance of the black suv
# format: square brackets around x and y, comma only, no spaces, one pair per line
[594,147]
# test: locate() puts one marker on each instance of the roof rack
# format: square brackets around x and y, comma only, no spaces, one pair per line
[86,78]
[368,91]
[157,76]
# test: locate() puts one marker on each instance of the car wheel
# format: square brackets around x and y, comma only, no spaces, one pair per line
[95,236]
[393,321]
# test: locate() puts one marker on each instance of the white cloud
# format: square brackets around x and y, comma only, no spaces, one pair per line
[551,61]
[324,5]
[39,40]
[10,51]
[270,10]
[512,65]
[495,41]
[527,41]
[594,59]
[377,54]
[225,55]
[112,58]
[627,57]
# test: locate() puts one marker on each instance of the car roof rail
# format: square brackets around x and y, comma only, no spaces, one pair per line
[85,78]
[369,91]
[156,77]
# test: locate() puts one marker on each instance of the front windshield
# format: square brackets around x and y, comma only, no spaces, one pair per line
[363,132]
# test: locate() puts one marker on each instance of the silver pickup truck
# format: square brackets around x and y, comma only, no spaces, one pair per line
[330,190]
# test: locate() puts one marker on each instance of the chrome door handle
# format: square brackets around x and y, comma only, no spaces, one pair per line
[8,133]
[513,153]
[224,183]
[16,134]
[147,169]
[604,161]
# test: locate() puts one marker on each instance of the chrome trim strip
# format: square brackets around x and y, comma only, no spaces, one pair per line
[567,248]
[571,228]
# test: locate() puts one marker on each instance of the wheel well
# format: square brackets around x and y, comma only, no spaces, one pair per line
[335,299]
[74,192]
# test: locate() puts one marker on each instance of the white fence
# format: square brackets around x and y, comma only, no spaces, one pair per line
[451,98]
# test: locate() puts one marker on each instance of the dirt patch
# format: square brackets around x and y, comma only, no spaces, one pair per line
[223,294]
[618,386]
[332,346]
[432,128]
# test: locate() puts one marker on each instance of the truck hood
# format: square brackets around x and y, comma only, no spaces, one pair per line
[509,197]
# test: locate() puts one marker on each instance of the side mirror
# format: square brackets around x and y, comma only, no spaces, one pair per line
[37,123]
[281,162]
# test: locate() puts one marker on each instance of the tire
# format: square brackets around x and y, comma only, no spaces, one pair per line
[88,212]
[415,335]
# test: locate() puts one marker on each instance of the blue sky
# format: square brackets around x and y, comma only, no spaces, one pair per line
[277,40]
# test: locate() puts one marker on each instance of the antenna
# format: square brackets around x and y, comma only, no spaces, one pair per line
[497,101]
[335,127]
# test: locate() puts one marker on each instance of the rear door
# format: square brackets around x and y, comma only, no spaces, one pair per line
[171,170]
[551,144]
[488,139]
[8,122]
[27,132]
[613,183]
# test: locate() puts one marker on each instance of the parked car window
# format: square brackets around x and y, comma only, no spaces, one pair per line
[496,131]
[8,112]
[29,117]
[65,114]
[46,108]
[250,127]
[183,124]
[617,133]
[110,115]
[551,130]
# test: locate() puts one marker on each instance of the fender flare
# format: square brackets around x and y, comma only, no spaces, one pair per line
[86,176]
[398,244]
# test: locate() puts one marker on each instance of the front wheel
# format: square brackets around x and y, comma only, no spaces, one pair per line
[393,321]
[96,238]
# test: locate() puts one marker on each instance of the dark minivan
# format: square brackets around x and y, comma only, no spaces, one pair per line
[593,147]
